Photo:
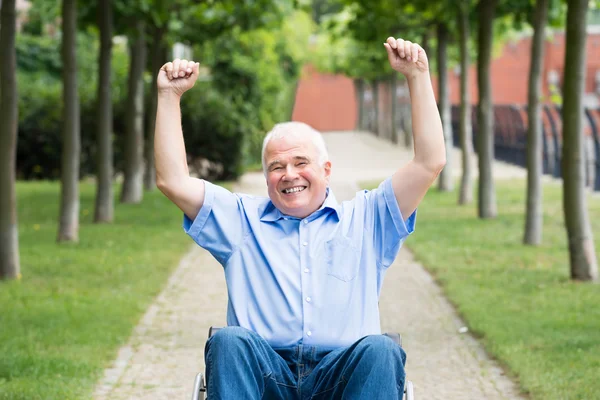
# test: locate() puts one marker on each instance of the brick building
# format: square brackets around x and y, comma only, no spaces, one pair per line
[510,71]
[328,102]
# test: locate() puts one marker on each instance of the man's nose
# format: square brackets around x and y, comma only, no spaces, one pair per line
[290,173]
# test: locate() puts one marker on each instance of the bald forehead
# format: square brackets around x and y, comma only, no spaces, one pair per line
[291,143]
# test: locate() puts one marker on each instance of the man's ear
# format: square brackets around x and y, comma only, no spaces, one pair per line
[327,167]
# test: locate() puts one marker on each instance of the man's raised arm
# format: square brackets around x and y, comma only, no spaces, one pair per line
[412,180]
[172,174]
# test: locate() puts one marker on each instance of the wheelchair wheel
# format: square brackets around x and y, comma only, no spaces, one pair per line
[409,392]
[199,387]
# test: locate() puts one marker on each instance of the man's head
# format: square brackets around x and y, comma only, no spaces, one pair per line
[297,168]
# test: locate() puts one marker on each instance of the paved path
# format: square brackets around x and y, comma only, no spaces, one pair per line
[166,349]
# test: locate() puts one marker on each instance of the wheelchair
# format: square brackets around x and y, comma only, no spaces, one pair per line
[200,386]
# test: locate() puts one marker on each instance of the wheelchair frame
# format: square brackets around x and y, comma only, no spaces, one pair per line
[200,386]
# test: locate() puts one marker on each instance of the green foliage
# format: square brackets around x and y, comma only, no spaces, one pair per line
[214,128]
[41,15]
[40,102]
[336,50]
[517,299]
[254,51]
[253,77]
[38,53]
[64,321]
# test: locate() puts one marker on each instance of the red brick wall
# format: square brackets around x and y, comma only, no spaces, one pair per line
[327,102]
[510,70]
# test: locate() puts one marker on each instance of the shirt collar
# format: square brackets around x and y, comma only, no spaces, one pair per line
[272,213]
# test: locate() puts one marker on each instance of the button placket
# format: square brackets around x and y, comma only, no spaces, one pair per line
[306,288]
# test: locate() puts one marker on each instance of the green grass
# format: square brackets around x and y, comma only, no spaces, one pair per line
[517,299]
[76,304]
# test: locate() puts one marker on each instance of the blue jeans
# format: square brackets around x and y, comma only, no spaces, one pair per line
[242,365]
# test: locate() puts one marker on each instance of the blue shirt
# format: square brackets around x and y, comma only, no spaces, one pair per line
[314,281]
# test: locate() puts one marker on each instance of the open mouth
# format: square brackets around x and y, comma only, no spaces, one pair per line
[292,190]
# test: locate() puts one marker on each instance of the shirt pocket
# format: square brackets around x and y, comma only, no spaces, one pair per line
[342,259]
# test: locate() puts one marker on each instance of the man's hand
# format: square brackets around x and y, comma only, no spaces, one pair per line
[177,77]
[406,57]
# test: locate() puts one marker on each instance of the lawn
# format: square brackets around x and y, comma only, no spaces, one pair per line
[518,300]
[76,304]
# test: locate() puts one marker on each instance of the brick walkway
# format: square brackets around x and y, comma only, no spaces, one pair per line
[166,349]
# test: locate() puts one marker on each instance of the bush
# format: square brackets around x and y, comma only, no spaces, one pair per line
[40,103]
[213,129]
[252,87]
[255,74]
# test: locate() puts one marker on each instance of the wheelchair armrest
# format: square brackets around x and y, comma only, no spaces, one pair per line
[395,337]
[212,330]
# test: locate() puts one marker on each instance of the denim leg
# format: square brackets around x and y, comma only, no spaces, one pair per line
[371,368]
[241,365]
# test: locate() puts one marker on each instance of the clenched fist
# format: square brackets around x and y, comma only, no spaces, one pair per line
[177,77]
[406,57]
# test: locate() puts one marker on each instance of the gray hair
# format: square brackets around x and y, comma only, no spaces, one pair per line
[284,129]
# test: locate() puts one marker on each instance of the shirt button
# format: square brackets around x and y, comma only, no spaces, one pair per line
[309,333]
[305,221]
[306,270]
[304,243]
[308,299]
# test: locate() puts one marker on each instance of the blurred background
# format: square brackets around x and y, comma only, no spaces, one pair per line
[83,228]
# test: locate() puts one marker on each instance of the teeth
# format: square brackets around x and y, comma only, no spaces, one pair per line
[293,190]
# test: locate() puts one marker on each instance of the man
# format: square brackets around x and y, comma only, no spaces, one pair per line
[303,272]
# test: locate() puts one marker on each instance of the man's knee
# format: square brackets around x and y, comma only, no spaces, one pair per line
[381,347]
[230,338]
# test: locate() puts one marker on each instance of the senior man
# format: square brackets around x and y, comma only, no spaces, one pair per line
[303,271]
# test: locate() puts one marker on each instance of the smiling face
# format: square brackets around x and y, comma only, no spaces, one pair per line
[296,182]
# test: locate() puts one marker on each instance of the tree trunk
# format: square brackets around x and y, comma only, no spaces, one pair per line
[466,132]
[394,102]
[446,181]
[359,90]
[582,254]
[407,118]
[104,196]
[375,86]
[9,238]
[68,230]
[485,115]
[158,58]
[425,40]
[534,216]
[132,190]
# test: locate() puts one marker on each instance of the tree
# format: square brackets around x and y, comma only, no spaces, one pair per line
[446,181]
[9,238]
[160,16]
[485,117]
[533,214]
[132,189]
[348,44]
[582,255]
[158,55]
[466,133]
[71,147]
[104,209]
[367,23]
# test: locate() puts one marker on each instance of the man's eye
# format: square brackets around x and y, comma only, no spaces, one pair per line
[302,163]
[276,168]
